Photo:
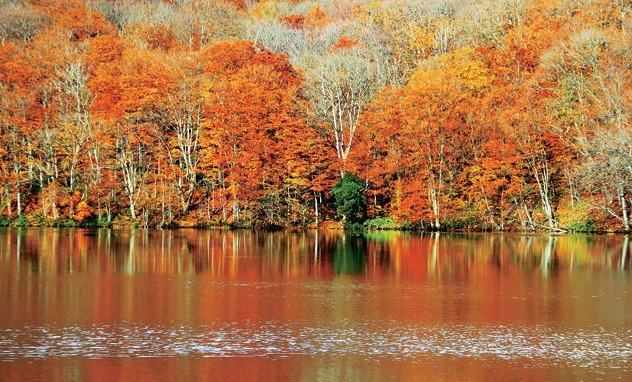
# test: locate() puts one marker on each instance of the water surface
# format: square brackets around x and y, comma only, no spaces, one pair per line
[312,306]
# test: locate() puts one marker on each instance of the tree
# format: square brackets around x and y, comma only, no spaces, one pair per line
[18,123]
[19,22]
[438,103]
[132,157]
[253,123]
[340,87]
[75,126]
[349,199]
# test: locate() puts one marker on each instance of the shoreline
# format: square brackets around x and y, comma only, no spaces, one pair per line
[312,228]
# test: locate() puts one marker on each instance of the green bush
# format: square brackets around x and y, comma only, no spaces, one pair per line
[356,227]
[349,199]
[66,223]
[586,225]
[380,223]
[577,218]
[461,223]
[410,226]
[21,221]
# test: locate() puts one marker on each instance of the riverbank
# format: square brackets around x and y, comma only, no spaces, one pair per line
[375,224]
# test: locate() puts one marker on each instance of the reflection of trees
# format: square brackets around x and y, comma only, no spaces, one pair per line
[349,257]
[306,253]
[197,277]
[625,253]
[548,258]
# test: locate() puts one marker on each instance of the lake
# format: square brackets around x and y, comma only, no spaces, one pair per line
[184,305]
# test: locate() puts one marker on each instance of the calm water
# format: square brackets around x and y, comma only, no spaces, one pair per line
[102,305]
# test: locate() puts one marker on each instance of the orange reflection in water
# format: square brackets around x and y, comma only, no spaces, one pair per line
[387,284]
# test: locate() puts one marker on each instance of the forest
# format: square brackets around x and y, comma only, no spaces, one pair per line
[501,115]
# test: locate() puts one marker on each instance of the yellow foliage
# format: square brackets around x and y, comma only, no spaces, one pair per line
[267,10]
[370,13]
[82,211]
[459,70]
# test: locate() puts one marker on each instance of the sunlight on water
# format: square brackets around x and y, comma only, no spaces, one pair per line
[544,346]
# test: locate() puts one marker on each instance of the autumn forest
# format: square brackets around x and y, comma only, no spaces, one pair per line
[410,114]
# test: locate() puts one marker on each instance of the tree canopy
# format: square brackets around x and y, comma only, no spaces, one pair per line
[349,199]
[492,114]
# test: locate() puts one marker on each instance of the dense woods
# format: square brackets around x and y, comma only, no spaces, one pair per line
[456,114]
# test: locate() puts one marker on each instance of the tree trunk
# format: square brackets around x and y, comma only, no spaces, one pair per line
[132,208]
[316,208]
[543,181]
[435,208]
[624,210]
[19,200]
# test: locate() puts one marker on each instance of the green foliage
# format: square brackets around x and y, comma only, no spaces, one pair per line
[5,221]
[390,223]
[66,223]
[349,199]
[38,220]
[577,219]
[356,228]
[21,221]
[587,225]
[462,223]
[104,222]
[95,222]
[381,223]
[412,226]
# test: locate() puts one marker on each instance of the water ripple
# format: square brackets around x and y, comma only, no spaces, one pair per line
[539,345]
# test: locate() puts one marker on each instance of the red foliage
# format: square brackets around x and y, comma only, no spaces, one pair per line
[344,43]
[293,21]
[228,58]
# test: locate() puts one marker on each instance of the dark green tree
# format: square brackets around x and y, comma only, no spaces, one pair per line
[349,199]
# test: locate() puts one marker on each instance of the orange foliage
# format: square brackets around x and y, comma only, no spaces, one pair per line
[293,21]
[82,211]
[344,43]
[228,58]
[317,18]
[253,120]
[501,128]
[73,18]
[158,37]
